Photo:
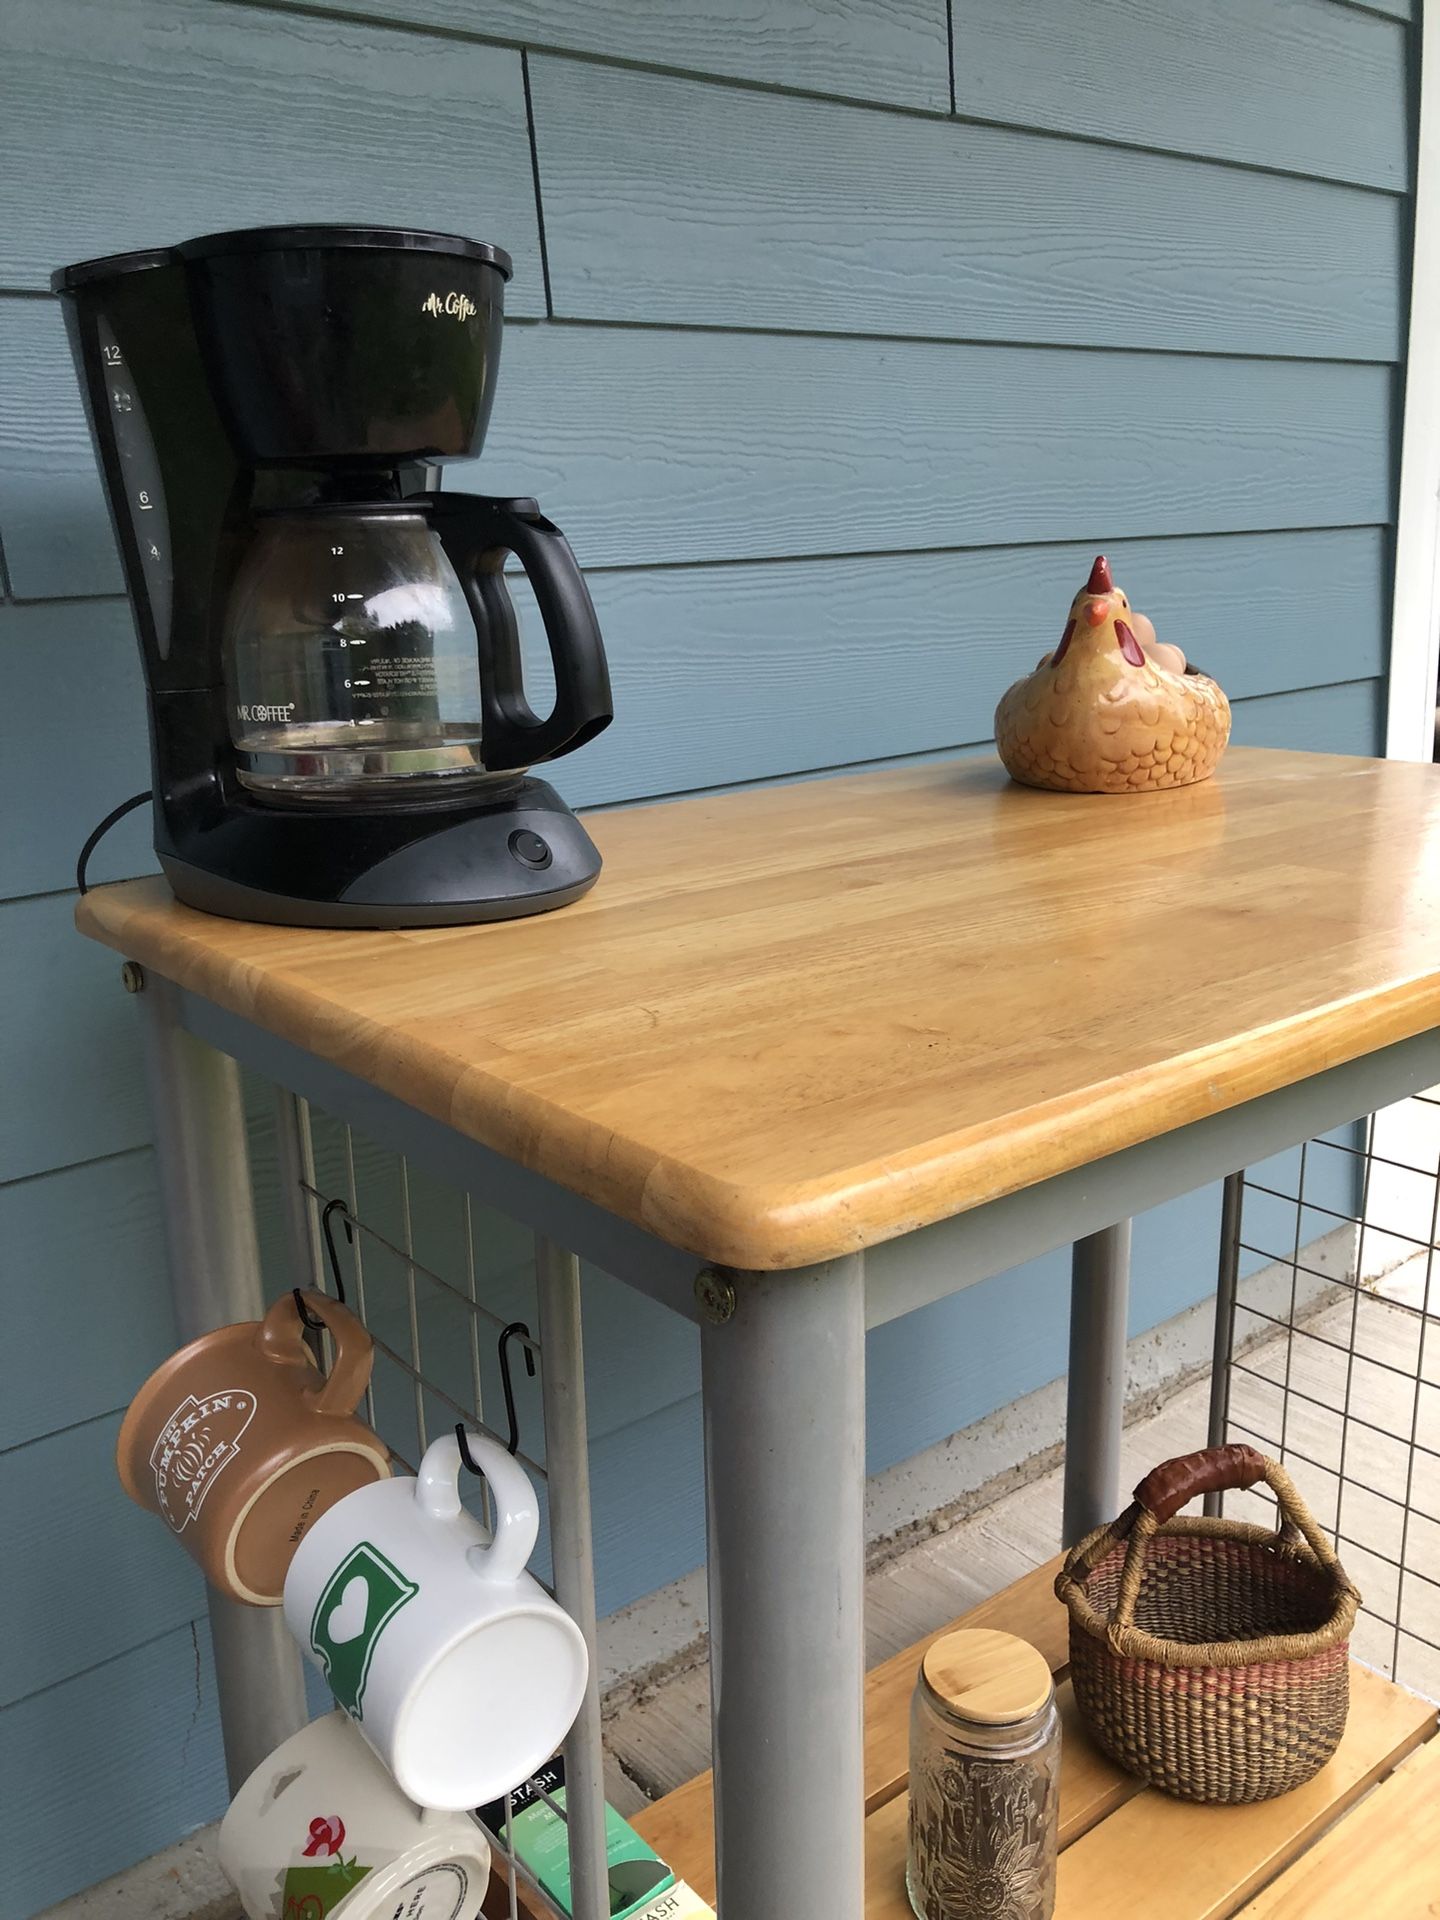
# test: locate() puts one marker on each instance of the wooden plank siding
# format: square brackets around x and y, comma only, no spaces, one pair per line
[1270,85]
[784,656]
[684,445]
[685,202]
[97,1548]
[172,118]
[49,649]
[835,383]
[696,445]
[82,1249]
[888,50]
[138,1737]
[69,1049]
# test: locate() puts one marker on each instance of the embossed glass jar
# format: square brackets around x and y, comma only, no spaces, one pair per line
[984,1781]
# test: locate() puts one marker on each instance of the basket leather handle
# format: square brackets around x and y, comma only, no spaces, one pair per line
[1169,1486]
[1175,1483]
[1216,1468]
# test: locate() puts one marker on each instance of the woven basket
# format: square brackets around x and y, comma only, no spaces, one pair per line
[1211,1657]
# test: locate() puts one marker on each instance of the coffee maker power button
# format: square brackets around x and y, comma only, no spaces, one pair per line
[530,850]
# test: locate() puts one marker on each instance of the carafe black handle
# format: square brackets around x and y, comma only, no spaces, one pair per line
[477,534]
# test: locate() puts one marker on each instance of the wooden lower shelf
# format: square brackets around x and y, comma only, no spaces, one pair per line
[1129,1853]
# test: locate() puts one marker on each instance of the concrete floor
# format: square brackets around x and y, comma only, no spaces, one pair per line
[1366,1474]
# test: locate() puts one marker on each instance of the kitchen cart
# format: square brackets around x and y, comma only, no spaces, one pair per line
[808,1059]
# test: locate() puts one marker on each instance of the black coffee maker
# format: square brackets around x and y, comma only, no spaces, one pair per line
[339,729]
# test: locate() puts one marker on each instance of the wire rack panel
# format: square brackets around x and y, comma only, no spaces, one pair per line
[450,1293]
[1337,1373]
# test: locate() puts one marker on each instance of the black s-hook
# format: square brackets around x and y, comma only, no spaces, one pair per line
[327,1212]
[517,1329]
[307,1318]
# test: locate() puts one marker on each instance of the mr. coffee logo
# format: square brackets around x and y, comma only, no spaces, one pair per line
[197,1443]
[254,711]
[457,305]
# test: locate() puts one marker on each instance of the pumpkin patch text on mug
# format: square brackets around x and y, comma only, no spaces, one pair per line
[456,1665]
[240,1443]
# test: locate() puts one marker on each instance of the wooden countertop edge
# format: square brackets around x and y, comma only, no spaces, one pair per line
[977,1165]
[731,1225]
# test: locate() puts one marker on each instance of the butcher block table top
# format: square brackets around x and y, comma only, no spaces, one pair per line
[792,1022]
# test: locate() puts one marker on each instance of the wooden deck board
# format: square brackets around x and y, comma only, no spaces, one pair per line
[1382,1861]
[1091,1787]
[679,1826]
[1117,1835]
[1214,1858]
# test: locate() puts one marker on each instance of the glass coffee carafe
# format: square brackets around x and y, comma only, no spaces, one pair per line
[372,653]
[351,658]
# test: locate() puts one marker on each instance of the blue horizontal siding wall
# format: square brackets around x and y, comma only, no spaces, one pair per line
[837,219]
[842,333]
[1265,85]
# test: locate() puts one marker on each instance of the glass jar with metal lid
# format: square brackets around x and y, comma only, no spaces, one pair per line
[984,1781]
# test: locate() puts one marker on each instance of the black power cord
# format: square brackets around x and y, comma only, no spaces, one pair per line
[115,814]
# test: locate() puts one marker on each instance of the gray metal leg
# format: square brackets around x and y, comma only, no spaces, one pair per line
[1095,1395]
[295,1164]
[784,1392]
[567,1466]
[1225,1287]
[203,1164]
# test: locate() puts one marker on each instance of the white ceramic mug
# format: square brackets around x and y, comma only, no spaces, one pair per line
[321,1832]
[459,1669]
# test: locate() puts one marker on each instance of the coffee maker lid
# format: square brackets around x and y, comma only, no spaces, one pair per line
[391,239]
[109,266]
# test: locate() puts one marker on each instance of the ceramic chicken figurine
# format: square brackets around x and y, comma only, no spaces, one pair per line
[1112,709]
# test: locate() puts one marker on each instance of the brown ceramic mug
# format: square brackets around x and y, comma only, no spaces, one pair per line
[240,1443]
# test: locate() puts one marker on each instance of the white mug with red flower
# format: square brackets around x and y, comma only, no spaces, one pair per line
[320,1831]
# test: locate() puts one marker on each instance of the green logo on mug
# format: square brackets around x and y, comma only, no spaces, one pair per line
[358,1602]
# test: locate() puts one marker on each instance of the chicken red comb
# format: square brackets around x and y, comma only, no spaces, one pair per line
[1100,581]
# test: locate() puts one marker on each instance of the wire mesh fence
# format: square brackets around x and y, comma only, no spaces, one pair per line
[1337,1373]
[450,1295]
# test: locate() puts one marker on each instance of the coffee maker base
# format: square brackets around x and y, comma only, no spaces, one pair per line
[500,863]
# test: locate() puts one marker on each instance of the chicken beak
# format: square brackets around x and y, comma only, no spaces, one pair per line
[1097,611]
